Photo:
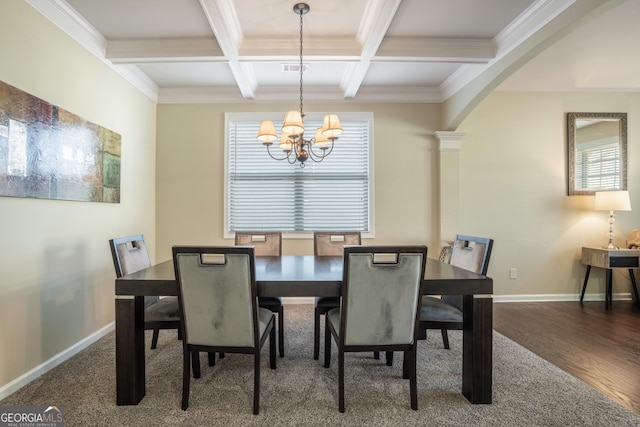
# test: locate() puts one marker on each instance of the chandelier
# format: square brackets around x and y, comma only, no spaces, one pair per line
[292,141]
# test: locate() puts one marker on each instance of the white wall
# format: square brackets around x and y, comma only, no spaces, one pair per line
[513,188]
[57,273]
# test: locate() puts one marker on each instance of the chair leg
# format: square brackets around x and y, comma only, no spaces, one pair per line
[186,378]
[154,339]
[413,383]
[256,383]
[281,330]
[179,334]
[327,343]
[376,355]
[341,380]
[316,333]
[405,367]
[445,338]
[211,358]
[221,355]
[195,358]
[389,357]
[422,333]
[272,348]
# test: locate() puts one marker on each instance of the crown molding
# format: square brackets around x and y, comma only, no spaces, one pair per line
[222,95]
[67,19]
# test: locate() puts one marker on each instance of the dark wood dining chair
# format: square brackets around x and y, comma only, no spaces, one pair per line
[217,294]
[266,243]
[445,313]
[379,309]
[130,255]
[329,243]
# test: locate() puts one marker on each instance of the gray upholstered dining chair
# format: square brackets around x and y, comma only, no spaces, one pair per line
[329,243]
[130,255]
[217,294]
[266,243]
[379,309]
[445,313]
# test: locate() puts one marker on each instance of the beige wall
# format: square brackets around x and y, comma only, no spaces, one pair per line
[190,173]
[57,273]
[512,184]
[513,188]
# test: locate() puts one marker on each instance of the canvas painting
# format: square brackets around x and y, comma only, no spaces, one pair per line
[47,152]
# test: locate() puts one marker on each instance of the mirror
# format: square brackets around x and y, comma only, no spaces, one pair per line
[597,152]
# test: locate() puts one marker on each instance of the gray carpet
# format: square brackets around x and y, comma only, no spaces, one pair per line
[527,390]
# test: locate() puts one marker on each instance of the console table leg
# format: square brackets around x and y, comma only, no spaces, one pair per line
[609,290]
[634,287]
[586,279]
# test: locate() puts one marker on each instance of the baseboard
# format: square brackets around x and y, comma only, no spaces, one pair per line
[506,298]
[559,297]
[298,300]
[48,365]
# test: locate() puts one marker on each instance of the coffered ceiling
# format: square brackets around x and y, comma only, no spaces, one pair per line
[363,50]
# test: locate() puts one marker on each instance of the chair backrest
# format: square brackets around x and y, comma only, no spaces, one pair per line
[381,294]
[266,243]
[332,243]
[471,253]
[217,295]
[130,255]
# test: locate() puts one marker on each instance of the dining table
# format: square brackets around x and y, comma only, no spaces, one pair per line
[306,276]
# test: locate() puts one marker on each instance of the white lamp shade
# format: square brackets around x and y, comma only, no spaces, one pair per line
[321,140]
[267,131]
[331,127]
[612,201]
[292,124]
[286,142]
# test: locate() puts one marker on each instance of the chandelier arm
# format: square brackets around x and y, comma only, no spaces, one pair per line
[324,154]
[276,158]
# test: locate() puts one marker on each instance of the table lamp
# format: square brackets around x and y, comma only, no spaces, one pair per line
[612,201]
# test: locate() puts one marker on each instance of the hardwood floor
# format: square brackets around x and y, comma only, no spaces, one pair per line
[601,348]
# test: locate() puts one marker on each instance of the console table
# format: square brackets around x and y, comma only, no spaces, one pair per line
[610,259]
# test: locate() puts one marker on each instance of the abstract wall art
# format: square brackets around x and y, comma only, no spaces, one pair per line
[47,152]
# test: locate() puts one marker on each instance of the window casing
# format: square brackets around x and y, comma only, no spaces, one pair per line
[265,194]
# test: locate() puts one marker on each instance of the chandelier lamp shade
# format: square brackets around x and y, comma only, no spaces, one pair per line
[294,146]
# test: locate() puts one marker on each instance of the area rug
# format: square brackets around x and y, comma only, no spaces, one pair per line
[527,390]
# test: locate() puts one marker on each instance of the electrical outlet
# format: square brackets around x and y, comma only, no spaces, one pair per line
[513,273]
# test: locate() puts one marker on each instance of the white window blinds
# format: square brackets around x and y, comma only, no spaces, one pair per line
[265,194]
[598,167]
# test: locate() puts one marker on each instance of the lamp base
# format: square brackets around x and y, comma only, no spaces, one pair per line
[610,246]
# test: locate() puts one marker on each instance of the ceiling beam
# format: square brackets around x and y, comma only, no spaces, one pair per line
[190,49]
[373,27]
[223,20]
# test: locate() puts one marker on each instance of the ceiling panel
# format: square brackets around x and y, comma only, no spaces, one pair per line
[124,19]
[408,74]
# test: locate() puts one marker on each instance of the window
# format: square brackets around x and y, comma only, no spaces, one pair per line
[265,194]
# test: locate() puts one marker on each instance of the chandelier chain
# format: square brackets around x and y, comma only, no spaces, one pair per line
[301,69]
